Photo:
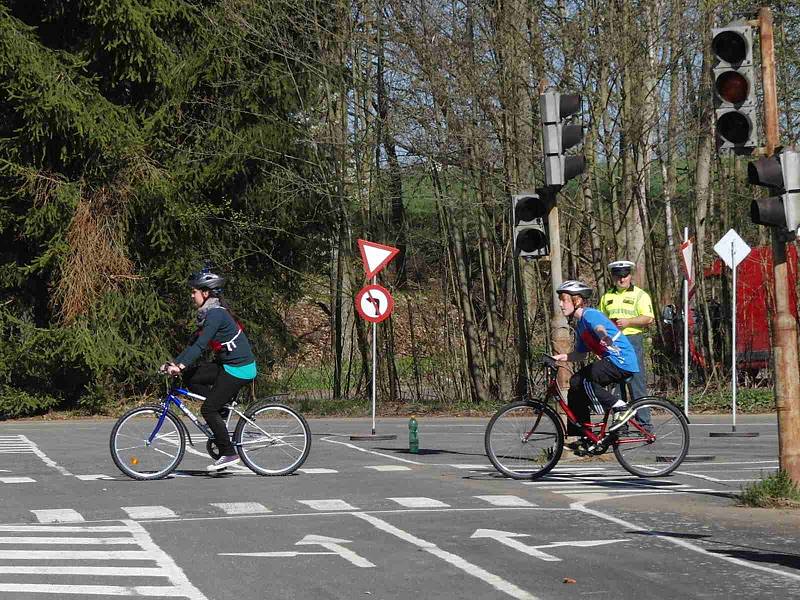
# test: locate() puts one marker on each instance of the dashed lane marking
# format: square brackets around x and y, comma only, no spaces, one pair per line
[317,471]
[388,468]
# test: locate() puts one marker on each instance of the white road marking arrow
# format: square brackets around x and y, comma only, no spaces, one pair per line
[508,538]
[329,543]
[335,546]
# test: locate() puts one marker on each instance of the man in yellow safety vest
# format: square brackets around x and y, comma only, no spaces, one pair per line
[631,309]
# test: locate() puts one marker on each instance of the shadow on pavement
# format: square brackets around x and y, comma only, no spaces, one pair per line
[430,451]
[763,556]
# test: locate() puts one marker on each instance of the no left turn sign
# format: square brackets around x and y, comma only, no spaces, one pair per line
[374,303]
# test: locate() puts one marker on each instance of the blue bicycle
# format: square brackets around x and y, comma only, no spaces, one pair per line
[148,442]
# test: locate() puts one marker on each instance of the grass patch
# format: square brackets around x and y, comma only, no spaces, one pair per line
[748,400]
[774,491]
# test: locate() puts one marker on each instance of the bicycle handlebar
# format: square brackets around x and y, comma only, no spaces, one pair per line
[549,361]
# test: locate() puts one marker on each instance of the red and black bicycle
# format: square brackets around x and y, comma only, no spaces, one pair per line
[525,439]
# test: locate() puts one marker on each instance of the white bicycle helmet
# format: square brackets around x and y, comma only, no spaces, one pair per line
[573,287]
[622,267]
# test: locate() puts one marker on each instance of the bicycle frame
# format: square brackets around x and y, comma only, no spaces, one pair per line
[588,429]
[172,398]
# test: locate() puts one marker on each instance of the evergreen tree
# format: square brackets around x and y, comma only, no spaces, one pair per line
[138,138]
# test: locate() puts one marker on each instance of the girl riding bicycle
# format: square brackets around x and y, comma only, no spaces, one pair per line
[596,333]
[234,364]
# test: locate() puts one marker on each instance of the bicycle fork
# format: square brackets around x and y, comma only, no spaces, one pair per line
[528,435]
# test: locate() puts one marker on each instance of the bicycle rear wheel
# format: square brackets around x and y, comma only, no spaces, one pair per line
[524,440]
[273,439]
[137,456]
[657,452]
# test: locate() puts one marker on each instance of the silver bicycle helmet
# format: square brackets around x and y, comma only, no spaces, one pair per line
[573,287]
[206,280]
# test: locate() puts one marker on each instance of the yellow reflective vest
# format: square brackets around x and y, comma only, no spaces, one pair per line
[626,304]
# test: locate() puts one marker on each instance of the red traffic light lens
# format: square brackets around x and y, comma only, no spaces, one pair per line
[734,127]
[732,87]
[730,46]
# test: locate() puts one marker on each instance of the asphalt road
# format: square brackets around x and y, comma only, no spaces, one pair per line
[366,519]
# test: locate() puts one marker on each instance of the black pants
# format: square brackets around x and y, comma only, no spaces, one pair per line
[219,388]
[587,391]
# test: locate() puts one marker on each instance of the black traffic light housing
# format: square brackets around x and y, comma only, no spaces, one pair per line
[558,136]
[529,215]
[735,102]
[780,173]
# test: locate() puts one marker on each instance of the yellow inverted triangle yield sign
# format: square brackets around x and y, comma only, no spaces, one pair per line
[375,256]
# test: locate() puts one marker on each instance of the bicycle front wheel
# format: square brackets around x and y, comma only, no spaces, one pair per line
[524,440]
[139,457]
[273,439]
[656,449]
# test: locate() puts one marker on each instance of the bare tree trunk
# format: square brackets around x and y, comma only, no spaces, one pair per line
[398,216]
[702,176]
[472,343]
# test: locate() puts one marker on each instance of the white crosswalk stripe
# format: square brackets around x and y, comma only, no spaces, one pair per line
[153,574]
[501,500]
[17,480]
[67,515]
[15,444]
[58,515]
[241,508]
[328,504]
[593,480]
[149,512]
[419,502]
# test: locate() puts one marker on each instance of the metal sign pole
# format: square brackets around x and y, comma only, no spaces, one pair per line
[374,364]
[686,331]
[732,249]
[733,334]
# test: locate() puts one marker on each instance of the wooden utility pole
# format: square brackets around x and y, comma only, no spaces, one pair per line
[784,327]
[559,328]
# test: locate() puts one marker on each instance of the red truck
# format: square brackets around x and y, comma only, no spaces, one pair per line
[755,305]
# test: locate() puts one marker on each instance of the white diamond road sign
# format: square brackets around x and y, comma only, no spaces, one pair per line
[732,249]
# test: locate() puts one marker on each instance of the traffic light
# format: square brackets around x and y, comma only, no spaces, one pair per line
[782,174]
[559,136]
[529,214]
[735,101]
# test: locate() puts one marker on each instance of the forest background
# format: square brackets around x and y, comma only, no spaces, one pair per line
[140,137]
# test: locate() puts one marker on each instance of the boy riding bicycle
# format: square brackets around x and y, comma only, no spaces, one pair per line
[596,333]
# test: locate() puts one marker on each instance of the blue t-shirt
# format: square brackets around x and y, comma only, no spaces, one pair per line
[621,353]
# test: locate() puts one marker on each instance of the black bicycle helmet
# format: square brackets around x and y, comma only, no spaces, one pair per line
[573,287]
[206,280]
